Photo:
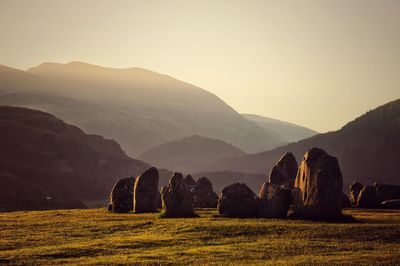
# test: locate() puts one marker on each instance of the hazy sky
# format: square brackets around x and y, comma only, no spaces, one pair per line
[316,63]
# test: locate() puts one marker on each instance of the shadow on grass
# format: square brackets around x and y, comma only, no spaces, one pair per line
[343,219]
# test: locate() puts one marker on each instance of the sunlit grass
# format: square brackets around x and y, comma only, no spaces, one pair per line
[98,237]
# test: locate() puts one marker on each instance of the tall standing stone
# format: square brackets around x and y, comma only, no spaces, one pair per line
[317,192]
[273,201]
[146,191]
[176,198]
[121,196]
[284,171]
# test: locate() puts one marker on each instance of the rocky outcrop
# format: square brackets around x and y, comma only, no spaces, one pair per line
[237,200]
[317,192]
[367,198]
[204,195]
[273,201]
[354,191]
[176,198]
[284,171]
[121,197]
[146,191]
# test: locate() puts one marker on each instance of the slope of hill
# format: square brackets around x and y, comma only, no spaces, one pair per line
[285,131]
[368,149]
[43,158]
[225,178]
[138,108]
[186,154]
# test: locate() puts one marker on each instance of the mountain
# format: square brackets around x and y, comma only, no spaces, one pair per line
[285,131]
[184,155]
[368,149]
[47,163]
[222,179]
[138,108]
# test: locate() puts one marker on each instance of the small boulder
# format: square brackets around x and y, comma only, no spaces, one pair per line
[390,204]
[386,192]
[284,171]
[176,198]
[146,191]
[354,191]
[204,195]
[367,198]
[121,196]
[237,200]
[317,192]
[273,201]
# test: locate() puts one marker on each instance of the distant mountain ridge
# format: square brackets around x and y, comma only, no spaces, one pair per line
[368,149]
[186,154]
[285,131]
[46,161]
[138,108]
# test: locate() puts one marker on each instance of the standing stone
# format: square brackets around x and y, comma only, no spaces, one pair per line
[284,171]
[203,194]
[317,192]
[273,201]
[190,184]
[386,192]
[121,196]
[176,198]
[346,201]
[158,200]
[146,191]
[237,200]
[390,204]
[367,198]
[189,180]
[354,191]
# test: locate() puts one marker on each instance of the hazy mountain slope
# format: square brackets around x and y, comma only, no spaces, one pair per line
[138,108]
[44,157]
[285,131]
[225,178]
[368,149]
[186,154]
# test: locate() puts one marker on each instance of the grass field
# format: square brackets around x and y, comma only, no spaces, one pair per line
[97,237]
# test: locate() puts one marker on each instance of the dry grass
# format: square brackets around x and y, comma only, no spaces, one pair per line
[97,237]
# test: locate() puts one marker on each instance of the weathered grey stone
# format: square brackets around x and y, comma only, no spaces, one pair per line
[390,204]
[367,198]
[203,194]
[176,198]
[354,191]
[273,201]
[386,192]
[284,171]
[121,196]
[346,201]
[237,200]
[146,191]
[317,192]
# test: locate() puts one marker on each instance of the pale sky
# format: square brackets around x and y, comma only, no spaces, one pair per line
[315,63]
